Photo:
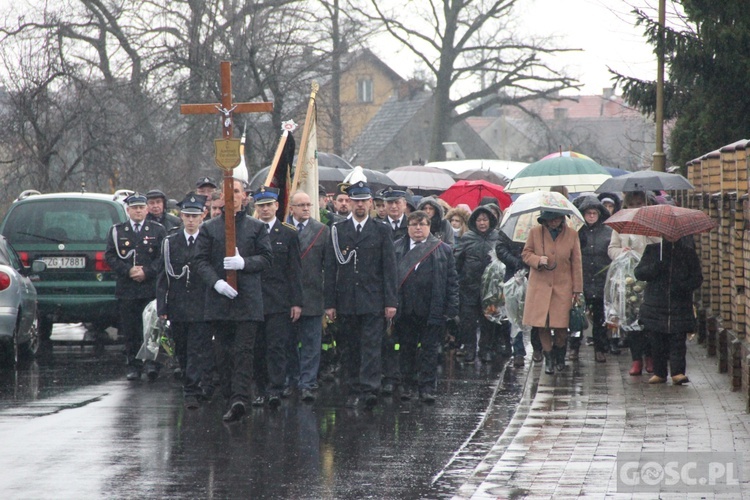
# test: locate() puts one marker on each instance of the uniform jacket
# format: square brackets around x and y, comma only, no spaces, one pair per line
[282,282]
[403,228]
[180,298]
[132,249]
[255,247]
[551,291]
[431,290]
[367,283]
[472,256]
[594,242]
[170,222]
[439,226]
[313,241]
[672,272]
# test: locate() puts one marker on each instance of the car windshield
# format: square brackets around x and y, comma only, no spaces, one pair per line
[60,221]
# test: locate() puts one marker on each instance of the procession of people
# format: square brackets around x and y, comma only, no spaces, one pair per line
[395,287]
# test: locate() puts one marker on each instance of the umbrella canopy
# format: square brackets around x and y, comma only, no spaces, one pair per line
[566,154]
[523,213]
[503,167]
[483,175]
[576,173]
[616,172]
[421,178]
[329,177]
[471,193]
[645,180]
[667,221]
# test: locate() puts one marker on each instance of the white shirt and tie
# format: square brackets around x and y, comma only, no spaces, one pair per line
[358,226]
[299,225]
[136,226]
[395,224]
[190,238]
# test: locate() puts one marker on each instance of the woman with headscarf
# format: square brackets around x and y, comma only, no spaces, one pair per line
[553,254]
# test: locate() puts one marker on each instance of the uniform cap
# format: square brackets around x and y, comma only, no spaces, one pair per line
[135,200]
[266,195]
[192,204]
[206,181]
[359,191]
[391,194]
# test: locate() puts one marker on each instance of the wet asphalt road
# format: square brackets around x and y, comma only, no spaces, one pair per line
[75,428]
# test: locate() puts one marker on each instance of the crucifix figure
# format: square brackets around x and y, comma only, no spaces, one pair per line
[227,148]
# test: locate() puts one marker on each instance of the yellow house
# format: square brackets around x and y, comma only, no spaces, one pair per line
[366,83]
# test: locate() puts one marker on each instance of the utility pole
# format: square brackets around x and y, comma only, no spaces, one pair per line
[659,159]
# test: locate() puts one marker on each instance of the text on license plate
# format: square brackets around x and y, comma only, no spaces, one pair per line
[65,262]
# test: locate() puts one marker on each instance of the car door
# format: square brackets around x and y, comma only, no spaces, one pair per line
[26,290]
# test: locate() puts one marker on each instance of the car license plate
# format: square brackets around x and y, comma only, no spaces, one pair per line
[65,262]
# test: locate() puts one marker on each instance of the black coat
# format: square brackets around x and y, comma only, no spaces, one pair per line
[671,280]
[509,253]
[170,222]
[313,241]
[282,282]
[431,290]
[255,247]
[129,250]
[180,299]
[594,241]
[367,284]
[439,227]
[401,232]
[472,256]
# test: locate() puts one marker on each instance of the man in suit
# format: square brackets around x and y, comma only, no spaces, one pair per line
[234,314]
[360,285]
[428,296]
[180,296]
[305,345]
[133,254]
[282,300]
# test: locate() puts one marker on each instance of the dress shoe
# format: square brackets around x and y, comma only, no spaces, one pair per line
[536,356]
[469,357]
[286,393]
[386,390]
[274,401]
[352,401]
[235,413]
[679,379]
[308,396]
[191,403]
[518,361]
[649,364]
[370,401]
[133,373]
[259,400]
[600,357]
[426,397]
[406,395]
[637,368]
[656,379]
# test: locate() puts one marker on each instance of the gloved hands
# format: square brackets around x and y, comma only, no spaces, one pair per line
[225,289]
[234,263]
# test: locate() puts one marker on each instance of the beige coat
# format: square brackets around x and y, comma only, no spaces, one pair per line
[551,292]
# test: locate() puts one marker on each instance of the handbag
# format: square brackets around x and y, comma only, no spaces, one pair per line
[578,320]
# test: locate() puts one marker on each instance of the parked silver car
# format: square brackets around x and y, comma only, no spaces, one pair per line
[18,322]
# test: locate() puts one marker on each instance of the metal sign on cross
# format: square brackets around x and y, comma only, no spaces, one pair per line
[227,149]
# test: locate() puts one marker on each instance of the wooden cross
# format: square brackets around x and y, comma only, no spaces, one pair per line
[226,109]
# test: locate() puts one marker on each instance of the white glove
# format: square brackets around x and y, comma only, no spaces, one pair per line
[235,263]
[225,289]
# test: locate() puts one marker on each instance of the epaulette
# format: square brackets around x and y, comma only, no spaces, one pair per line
[289,225]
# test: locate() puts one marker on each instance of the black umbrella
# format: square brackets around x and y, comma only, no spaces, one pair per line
[645,180]
[328,177]
[482,175]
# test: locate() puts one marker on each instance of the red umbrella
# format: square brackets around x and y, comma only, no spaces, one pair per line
[471,192]
[667,221]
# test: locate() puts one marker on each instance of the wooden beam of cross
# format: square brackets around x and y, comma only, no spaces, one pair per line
[225,149]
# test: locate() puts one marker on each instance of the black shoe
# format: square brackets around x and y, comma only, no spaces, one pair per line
[287,392]
[235,413]
[469,357]
[406,395]
[370,401]
[589,341]
[308,396]
[152,372]
[274,401]
[549,367]
[191,403]
[558,353]
[259,400]
[386,390]
[133,373]
[536,356]
[352,401]
[177,373]
[426,397]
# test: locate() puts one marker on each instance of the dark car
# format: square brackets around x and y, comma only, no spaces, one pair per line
[68,232]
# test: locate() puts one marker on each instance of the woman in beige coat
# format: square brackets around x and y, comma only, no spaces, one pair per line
[553,254]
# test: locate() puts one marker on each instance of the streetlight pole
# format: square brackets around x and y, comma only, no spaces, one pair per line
[659,158]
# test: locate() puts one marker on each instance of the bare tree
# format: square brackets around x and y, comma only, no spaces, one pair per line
[477,60]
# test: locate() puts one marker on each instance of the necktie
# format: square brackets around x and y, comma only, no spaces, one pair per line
[137,227]
[268,228]
[359,229]
[300,226]
[395,225]
[191,240]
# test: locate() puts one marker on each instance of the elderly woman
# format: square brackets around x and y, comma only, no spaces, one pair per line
[553,254]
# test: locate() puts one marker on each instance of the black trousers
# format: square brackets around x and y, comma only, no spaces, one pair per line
[235,342]
[419,352]
[598,329]
[471,315]
[131,327]
[640,345]
[360,338]
[270,355]
[195,353]
[390,353]
[668,349]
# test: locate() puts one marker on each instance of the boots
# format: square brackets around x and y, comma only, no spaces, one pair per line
[559,355]
[549,368]
[649,364]
[637,368]
[573,354]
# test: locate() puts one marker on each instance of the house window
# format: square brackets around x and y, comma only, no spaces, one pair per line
[364,90]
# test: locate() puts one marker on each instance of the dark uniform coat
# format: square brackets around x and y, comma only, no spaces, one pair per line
[181,299]
[282,283]
[255,247]
[129,249]
[403,228]
[367,283]
[313,241]
[170,222]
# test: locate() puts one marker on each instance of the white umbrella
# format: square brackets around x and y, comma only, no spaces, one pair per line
[420,177]
[521,215]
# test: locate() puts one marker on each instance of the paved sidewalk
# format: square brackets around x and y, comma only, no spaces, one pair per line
[564,439]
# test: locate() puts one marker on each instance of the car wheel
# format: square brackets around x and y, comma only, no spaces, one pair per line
[28,349]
